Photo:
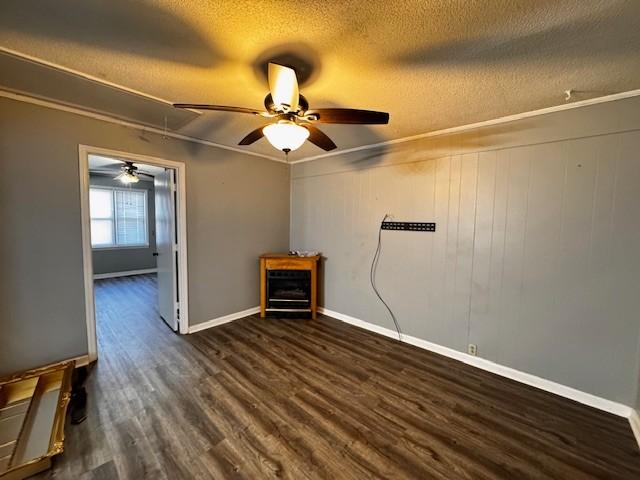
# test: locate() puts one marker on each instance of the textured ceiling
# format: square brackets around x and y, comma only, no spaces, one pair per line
[430,64]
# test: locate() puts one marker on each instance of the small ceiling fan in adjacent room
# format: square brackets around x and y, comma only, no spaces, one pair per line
[127,172]
[292,120]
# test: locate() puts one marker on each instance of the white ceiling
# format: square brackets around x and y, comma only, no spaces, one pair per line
[108,165]
[430,64]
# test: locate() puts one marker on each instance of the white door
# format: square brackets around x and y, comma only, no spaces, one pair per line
[166,247]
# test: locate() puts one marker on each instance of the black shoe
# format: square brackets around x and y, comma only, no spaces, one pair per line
[78,406]
[78,402]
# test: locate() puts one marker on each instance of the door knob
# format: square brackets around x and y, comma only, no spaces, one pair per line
[155,254]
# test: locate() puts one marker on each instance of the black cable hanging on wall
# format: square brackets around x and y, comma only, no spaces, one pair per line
[372,277]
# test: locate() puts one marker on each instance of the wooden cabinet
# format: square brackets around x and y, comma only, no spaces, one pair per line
[282,262]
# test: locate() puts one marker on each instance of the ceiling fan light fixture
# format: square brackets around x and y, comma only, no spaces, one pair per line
[128,174]
[127,177]
[286,135]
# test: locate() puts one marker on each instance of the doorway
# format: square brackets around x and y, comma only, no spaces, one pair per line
[133,234]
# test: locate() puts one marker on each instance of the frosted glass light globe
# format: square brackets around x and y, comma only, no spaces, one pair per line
[286,135]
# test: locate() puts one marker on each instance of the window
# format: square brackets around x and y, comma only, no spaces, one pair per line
[118,217]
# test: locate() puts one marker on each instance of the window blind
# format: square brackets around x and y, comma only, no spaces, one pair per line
[101,207]
[131,222]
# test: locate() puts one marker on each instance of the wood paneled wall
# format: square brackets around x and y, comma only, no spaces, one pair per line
[536,256]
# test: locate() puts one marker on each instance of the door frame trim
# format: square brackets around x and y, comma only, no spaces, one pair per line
[181,208]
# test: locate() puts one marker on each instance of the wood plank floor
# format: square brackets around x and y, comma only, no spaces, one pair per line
[303,399]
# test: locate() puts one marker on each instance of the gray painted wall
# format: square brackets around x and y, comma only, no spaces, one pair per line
[237,208]
[110,260]
[535,258]
[637,404]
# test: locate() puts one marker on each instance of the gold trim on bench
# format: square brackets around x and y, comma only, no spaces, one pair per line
[52,377]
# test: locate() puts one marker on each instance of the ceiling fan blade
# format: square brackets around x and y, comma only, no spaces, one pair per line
[348,116]
[221,108]
[253,136]
[283,84]
[319,138]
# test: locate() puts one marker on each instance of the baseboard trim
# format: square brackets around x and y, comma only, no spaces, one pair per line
[634,420]
[508,372]
[222,320]
[100,276]
[81,360]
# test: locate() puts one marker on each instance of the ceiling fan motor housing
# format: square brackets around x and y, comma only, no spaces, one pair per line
[129,167]
[271,107]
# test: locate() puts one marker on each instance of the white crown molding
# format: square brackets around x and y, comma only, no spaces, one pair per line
[51,103]
[138,126]
[522,377]
[86,76]
[462,128]
[473,126]
[222,320]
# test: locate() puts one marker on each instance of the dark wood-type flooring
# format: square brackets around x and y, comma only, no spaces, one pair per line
[303,399]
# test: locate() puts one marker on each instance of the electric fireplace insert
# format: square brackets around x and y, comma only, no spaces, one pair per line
[288,292]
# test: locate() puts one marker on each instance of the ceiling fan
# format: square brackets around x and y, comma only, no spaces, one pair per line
[292,121]
[128,172]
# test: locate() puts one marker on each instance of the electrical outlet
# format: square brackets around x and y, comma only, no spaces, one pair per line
[472,349]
